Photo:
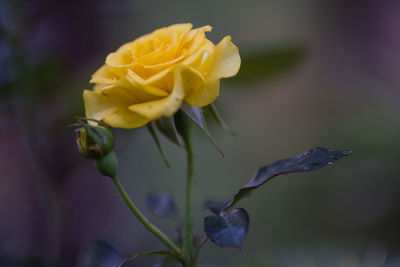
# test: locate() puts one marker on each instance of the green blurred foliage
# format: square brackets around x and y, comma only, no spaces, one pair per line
[267,62]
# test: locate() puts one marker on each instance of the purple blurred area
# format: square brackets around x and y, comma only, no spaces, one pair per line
[344,94]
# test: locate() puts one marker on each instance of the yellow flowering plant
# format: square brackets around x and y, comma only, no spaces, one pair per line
[153,75]
[164,80]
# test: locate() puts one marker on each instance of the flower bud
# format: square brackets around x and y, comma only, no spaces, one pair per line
[94,141]
[108,165]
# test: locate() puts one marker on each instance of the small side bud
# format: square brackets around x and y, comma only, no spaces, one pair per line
[107,165]
[94,141]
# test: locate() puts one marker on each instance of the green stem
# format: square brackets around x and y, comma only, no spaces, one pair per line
[153,229]
[188,240]
[196,255]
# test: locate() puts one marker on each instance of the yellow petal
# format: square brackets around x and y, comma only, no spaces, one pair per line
[162,66]
[142,45]
[127,46]
[150,57]
[198,39]
[227,60]
[125,119]
[167,106]
[192,79]
[173,32]
[162,58]
[115,114]
[119,94]
[141,91]
[98,106]
[223,62]
[159,80]
[204,95]
[104,76]
[169,53]
[119,59]
[119,62]
[129,92]
[98,87]
[197,59]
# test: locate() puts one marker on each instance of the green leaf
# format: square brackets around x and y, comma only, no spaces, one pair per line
[99,254]
[196,115]
[229,229]
[166,126]
[162,205]
[268,62]
[313,159]
[158,144]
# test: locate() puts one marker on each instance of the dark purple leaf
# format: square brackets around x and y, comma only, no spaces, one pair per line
[158,144]
[215,206]
[229,229]
[166,126]
[217,116]
[313,159]
[196,114]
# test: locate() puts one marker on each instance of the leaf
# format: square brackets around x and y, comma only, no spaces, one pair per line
[145,254]
[158,144]
[99,254]
[268,62]
[166,125]
[215,206]
[162,205]
[217,116]
[196,115]
[229,229]
[313,159]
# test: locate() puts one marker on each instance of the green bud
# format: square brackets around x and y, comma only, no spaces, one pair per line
[107,165]
[94,141]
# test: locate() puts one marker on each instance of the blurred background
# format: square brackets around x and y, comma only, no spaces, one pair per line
[314,73]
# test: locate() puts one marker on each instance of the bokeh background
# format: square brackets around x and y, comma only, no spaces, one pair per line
[314,73]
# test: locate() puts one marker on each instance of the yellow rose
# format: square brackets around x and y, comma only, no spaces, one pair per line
[150,77]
